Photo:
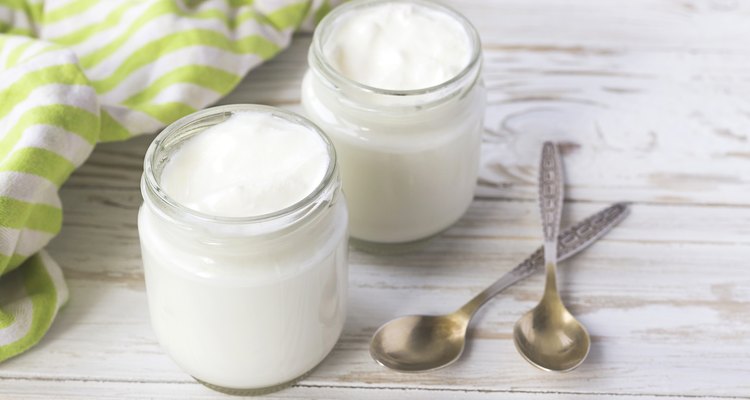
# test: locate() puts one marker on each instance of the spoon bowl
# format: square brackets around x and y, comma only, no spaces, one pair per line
[419,343]
[550,338]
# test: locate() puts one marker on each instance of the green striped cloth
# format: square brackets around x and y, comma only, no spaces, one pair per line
[77,72]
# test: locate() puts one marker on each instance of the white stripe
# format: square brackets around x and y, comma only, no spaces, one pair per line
[167,25]
[92,16]
[219,5]
[55,272]
[30,241]
[197,55]
[136,121]
[23,242]
[268,6]
[68,145]
[308,24]
[52,5]
[153,30]
[9,44]
[44,51]
[15,301]
[8,239]
[52,58]
[108,34]
[193,95]
[29,188]
[15,18]
[73,95]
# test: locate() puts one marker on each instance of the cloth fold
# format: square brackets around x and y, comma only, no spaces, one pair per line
[77,72]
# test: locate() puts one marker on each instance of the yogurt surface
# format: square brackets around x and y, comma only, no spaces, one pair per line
[398,46]
[249,165]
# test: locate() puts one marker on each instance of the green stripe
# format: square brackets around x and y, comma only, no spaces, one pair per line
[45,49]
[9,263]
[165,112]
[240,3]
[41,162]
[158,9]
[16,53]
[219,15]
[115,17]
[72,119]
[5,318]
[19,5]
[324,9]
[152,51]
[215,79]
[73,8]
[6,28]
[168,7]
[21,214]
[290,16]
[252,14]
[41,290]
[33,11]
[61,74]
[111,129]
[112,19]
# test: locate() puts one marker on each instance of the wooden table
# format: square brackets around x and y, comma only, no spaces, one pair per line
[652,102]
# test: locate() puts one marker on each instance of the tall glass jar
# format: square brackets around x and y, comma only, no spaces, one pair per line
[409,158]
[245,305]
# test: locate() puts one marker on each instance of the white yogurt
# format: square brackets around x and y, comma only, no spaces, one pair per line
[248,165]
[398,46]
[244,242]
[409,140]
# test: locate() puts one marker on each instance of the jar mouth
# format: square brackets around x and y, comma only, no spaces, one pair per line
[318,56]
[195,123]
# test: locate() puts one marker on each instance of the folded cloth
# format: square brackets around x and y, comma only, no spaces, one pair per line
[77,72]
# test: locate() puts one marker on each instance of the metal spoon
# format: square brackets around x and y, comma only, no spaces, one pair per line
[421,343]
[548,336]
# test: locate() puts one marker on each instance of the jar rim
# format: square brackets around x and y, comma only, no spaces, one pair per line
[152,188]
[316,49]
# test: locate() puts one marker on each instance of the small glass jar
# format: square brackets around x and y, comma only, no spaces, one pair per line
[245,305]
[409,158]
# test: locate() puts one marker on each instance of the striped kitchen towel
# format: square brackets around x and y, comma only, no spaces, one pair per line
[77,72]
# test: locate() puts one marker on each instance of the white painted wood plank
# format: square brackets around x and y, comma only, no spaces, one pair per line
[701,25]
[64,389]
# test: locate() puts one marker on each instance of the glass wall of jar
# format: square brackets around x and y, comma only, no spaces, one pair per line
[243,304]
[409,158]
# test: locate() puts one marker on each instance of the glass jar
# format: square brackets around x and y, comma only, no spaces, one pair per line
[409,158]
[244,305]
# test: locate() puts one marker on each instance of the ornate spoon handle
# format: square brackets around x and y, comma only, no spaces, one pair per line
[570,242]
[550,197]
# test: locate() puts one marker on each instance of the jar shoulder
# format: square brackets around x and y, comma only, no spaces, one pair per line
[462,115]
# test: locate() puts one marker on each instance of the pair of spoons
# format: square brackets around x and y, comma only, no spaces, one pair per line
[548,336]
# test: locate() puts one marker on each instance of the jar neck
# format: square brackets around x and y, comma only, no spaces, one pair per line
[181,220]
[211,232]
[359,97]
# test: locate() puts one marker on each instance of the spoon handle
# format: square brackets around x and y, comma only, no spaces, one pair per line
[550,198]
[570,242]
